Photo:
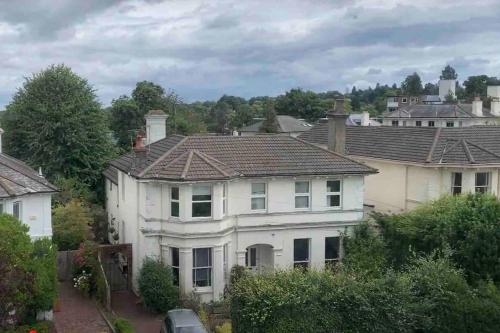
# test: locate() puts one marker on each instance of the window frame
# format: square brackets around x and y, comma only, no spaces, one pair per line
[454,186]
[175,201]
[193,202]
[395,123]
[431,122]
[404,100]
[488,182]
[224,199]
[450,124]
[339,193]
[302,194]
[258,196]
[418,123]
[197,268]
[300,263]
[175,268]
[333,261]
[19,204]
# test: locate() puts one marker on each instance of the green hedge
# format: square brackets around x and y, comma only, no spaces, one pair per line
[123,326]
[156,286]
[429,296]
[40,327]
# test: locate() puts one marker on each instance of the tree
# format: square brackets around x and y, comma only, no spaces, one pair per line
[222,112]
[125,120]
[412,85]
[477,85]
[54,121]
[431,89]
[448,73]
[300,104]
[241,117]
[71,225]
[270,123]
[156,286]
[150,96]
[16,284]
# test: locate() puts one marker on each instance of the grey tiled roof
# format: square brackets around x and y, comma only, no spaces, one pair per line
[224,157]
[463,146]
[17,178]
[286,124]
[436,111]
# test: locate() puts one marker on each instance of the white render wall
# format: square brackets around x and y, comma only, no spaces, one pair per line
[35,213]
[144,216]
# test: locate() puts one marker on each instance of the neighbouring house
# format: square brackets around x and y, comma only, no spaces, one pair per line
[420,164]
[361,119]
[26,194]
[286,125]
[203,204]
[435,111]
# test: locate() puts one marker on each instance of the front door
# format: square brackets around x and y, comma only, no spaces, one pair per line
[252,259]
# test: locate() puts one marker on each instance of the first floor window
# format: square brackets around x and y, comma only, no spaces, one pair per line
[202,201]
[395,123]
[301,252]
[430,123]
[332,250]
[202,267]
[17,209]
[450,124]
[258,200]
[333,189]
[456,183]
[175,264]
[482,182]
[418,123]
[302,194]
[174,201]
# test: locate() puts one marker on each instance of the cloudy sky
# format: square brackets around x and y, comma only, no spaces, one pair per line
[203,49]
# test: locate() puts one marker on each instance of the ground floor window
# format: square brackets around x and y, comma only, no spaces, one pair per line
[202,267]
[175,264]
[301,251]
[456,183]
[430,123]
[482,182]
[332,250]
[251,257]
[17,209]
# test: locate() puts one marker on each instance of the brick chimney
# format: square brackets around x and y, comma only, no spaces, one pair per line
[139,148]
[477,107]
[336,127]
[155,126]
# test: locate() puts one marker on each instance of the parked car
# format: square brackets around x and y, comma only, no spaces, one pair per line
[182,321]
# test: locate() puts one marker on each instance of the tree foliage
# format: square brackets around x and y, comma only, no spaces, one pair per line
[54,121]
[270,123]
[156,286]
[412,85]
[448,73]
[300,104]
[71,225]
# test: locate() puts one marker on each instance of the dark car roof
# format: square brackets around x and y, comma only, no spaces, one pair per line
[187,320]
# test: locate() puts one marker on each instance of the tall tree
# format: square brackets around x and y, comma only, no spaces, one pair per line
[448,73]
[150,96]
[431,89]
[476,86]
[125,118]
[301,104]
[412,85]
[222,111]
[270,123]
[55,121]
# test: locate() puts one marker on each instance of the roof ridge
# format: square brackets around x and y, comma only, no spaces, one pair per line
[481,148]
[162,157]
[15,182]
[188,163]
[433,146]
[7,188]
[211,163]
[333,153]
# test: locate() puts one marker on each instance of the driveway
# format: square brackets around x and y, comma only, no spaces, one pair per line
[78,314]
[127,305]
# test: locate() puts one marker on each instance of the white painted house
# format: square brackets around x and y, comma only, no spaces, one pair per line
[26,194]
[203,204]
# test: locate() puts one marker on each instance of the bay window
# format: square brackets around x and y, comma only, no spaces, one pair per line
[302,194]
[202,201]
[258,198]
[202,267]
[174,201]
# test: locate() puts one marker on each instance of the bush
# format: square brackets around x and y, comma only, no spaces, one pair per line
[86,267]
[224,328]
[156,286]
[123,326]
[71,225]
[39,327]
[467,224]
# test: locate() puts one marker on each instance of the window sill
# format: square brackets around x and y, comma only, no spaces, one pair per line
[202,290]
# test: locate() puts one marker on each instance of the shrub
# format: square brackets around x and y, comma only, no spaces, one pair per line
[156,286]
[71,225]
[224,328]
[39,327]
[86,267]
[123,326]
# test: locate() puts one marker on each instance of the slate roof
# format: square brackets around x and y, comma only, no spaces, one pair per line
[436,111]
[198,158]
[17,178]
[286,124]
[463,146]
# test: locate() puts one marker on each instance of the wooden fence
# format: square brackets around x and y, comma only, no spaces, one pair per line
[65,265]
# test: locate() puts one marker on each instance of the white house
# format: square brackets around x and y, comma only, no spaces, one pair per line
[286,125]
[203,204]
[26,194]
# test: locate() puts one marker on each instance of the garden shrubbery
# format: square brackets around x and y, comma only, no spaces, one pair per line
[156,286]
